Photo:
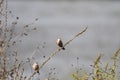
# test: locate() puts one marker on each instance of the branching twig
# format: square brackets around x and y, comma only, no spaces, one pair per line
[55,52]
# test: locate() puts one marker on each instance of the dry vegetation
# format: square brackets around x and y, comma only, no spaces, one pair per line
[17,71]
[108,71]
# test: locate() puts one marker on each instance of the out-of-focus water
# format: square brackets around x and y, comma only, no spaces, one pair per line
[64,19]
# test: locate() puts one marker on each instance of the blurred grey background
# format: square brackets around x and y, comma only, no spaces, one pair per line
[64,19]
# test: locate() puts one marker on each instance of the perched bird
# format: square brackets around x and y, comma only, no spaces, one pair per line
[60,43]
[36,67]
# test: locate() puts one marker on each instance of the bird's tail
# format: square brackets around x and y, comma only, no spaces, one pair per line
[63,48]
[38,72]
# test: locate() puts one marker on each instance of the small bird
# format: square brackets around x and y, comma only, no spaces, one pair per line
[60,43]
[36,67]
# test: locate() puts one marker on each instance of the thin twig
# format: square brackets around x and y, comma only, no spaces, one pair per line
[55,52]
[75,37]
[1,9]
[6,17]
[4,56]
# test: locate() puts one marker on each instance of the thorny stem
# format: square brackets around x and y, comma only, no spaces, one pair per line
[56,51]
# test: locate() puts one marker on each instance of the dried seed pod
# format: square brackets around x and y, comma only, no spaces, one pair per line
[1,42]
[1,51]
